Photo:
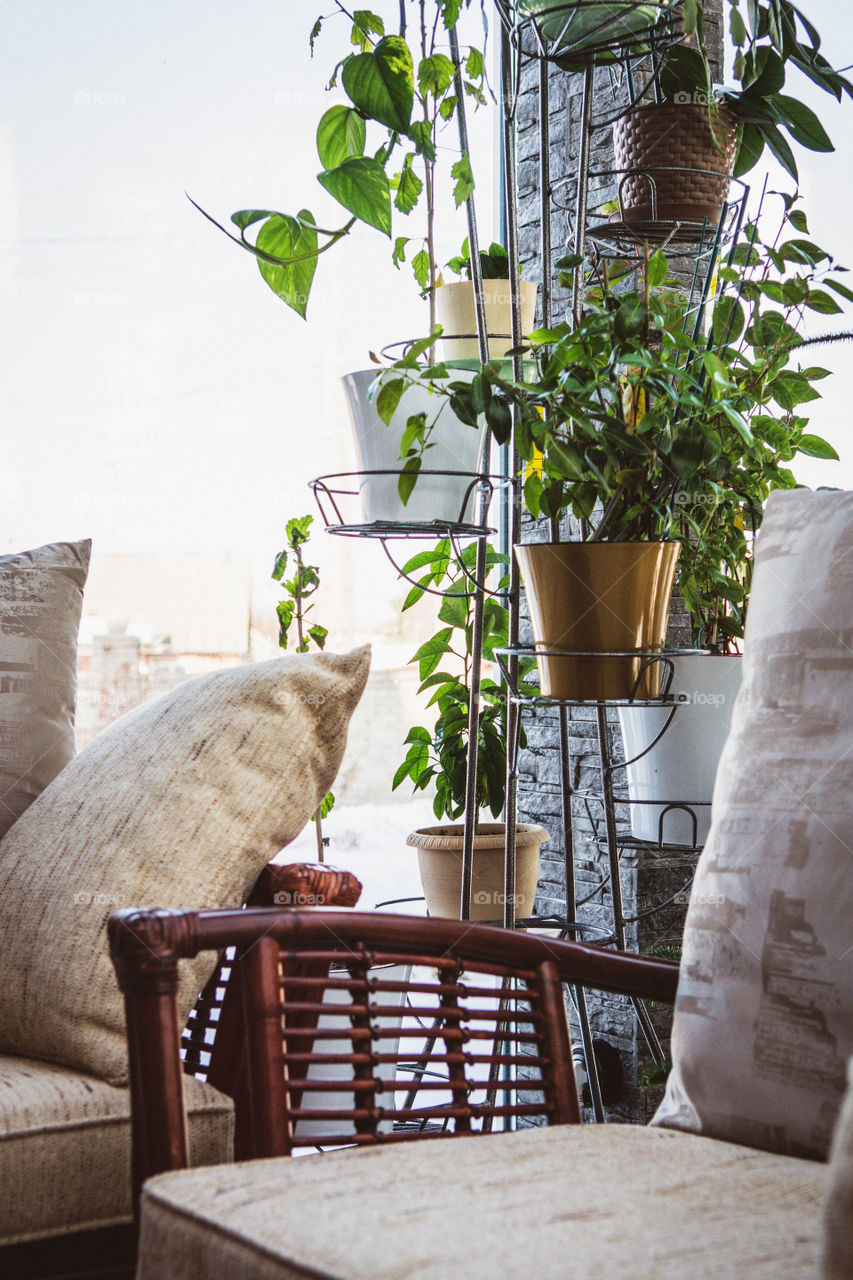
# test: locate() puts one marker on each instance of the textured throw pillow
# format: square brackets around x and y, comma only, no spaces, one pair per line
[764,1015]
[838,1207]
[181,803]
[41,596]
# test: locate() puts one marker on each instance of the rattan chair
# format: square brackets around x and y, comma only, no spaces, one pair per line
[480,1043]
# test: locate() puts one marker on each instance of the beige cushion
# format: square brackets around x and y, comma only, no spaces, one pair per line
[838,1209]
[179,804]
[764,1016]
[607,1201]
[65,1147]
[41,596]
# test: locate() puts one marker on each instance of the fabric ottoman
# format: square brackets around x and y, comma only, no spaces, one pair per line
[605,1201]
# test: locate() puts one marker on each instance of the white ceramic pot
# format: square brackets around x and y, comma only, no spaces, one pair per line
[682,767]
[456,313]
[456,448]
[440,868]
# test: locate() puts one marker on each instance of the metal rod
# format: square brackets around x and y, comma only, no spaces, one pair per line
[473,237]
[512,709]
[583,186]
[545,190]
[589,1055]
[610,827]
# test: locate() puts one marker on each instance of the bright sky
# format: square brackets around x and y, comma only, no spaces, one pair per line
[156,395]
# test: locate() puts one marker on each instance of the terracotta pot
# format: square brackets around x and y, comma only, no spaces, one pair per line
[682,767]
[662,137]
[455,311]
[576,27]
[440,867]
[598,597]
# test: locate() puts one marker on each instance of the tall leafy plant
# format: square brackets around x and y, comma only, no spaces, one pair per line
[379,150]
[437,757]
[293,613]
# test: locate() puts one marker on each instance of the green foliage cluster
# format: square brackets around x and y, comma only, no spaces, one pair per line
[438,757]
[771,37]
[645,427]
[379,150]
[293,610]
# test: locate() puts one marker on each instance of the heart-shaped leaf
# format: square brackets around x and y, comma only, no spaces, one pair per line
[381,83]
[340,136]
[295,241]
[361,185]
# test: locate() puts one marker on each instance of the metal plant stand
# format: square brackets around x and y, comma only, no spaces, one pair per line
[634,62]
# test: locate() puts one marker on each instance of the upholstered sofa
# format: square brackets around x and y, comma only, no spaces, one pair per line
[184,800]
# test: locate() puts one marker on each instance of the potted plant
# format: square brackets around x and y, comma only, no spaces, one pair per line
[379,151]
[755,334]
[455,309]
[437,757]
[681,149]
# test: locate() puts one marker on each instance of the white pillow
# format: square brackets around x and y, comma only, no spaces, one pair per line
[181,803]
[764,1015]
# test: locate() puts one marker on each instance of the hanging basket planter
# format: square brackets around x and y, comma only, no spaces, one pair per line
[598,598]
[684,153]
[591,24]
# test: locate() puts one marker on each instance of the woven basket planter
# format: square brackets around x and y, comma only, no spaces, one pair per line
[690,171]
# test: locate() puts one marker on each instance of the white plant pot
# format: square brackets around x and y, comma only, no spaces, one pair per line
[682,767]
[440,868]
[318,1129]
[456,448]
[456,313]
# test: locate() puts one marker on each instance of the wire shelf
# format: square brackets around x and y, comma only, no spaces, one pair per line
[338,497]
[587,32]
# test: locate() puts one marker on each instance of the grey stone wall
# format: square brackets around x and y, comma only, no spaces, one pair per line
[647,880]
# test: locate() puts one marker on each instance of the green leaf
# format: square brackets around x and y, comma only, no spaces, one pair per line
[365,22]
[408,478]
[409,188]
[327,804]
[454,611]
[820,301]
[361,185]
[780,149]
[817,447]
[657,269]
[435,75]
[399,254]
[567,459]
[279,566]
[750,149]
[381,83]
[729,320]
[802,123]
[420,266]
[717,371]
[799,221]
[340,136]
[429,655]
[318,635]
[295,240]
[420,132]
[474,64]
[244,218]
[464,186]
[388,398]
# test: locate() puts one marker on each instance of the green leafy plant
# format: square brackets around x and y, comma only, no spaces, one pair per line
[437,757]
[773,37]
[645,428]
[293,612]
[494,262]
[380,149]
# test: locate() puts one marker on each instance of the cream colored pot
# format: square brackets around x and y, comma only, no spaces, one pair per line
[455,312]
[440,867]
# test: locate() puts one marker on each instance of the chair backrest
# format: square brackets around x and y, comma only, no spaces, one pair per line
[348,1013]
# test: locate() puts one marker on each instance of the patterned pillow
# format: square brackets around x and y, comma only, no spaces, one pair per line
[41,597]
[180,803]
[764,1016]
[838,1208]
